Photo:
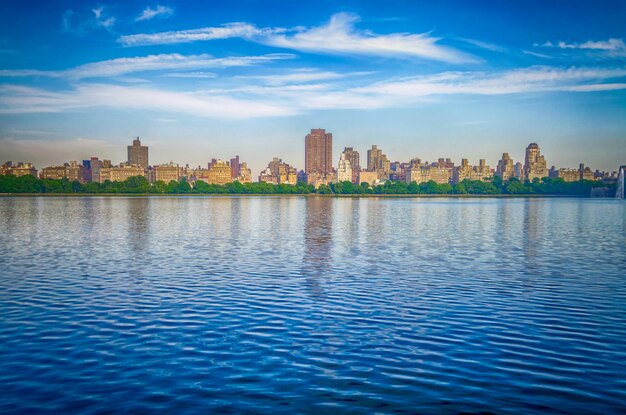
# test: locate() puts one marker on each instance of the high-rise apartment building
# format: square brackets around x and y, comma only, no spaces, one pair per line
[278,172]
[235,168]
[355,163]
[344,169]
[506,168]
[318,152]
[534,163]
[219,172]
[378,162]
[138,154]
[466,171]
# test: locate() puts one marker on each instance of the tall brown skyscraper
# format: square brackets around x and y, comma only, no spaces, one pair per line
[318,152]
[138,154]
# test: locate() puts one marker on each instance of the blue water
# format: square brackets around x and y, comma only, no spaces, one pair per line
[312,305]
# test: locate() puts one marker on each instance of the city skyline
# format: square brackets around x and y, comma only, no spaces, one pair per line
[377,168]
[202,82]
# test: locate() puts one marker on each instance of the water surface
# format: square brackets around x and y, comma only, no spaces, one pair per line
[312,305]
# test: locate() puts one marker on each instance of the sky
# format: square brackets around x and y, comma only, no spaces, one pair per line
[197,80]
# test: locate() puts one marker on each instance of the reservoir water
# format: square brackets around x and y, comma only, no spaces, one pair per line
[312,305]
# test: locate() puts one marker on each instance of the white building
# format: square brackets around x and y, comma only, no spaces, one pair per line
[344,169]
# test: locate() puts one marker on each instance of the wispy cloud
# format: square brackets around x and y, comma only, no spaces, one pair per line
[199,75]
[303,75]
[337,36]
[123,66]
[242,30]
[16,99]
[285,96]
[74,22]
[611,47]
[482,44]
[537,55]
[159,11]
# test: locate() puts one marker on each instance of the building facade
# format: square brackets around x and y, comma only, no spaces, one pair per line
[138,154]
[506,168]
[279,172]
[378,162]
[466,171]
[318,152]
[355,163]
[167,172]
[18,170]
[369,177]
[70,171]
[218,172]
[534,163]
[344,169]
[121,172]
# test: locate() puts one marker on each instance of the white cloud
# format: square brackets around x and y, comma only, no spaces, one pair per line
[288,94]
[159,11]
[482,45]
[199,75]
[18,99]
[122,66]
[338,36]
[303,75]
[74,22]
[231,30]
[611,47]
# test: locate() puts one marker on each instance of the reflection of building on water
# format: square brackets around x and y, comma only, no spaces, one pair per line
[138,236]
[533,231]
[318,229]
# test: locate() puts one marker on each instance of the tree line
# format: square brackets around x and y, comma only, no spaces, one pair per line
[140,185]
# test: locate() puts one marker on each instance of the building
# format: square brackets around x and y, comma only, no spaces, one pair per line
[355,163]
[572,175]
[120,173]
[534,163]
[167,172]
[344,169]
[239,171]
[218,172]
[95,165]
[378,162]
[318,152]
[518,171]
[266,176]
[585,173]
[369,177]
[18,170]
[506,168]
[138,154]
[466,171]
[70,171]
[235,167]
[279,172]
[569,175]
[245,173]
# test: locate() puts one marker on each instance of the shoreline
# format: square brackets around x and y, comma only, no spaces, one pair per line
[349,196]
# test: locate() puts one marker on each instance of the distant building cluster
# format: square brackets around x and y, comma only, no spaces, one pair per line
[318,170]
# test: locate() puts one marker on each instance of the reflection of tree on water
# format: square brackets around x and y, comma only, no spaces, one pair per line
[318,237]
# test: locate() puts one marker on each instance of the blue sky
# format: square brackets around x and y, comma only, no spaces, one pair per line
[202,80]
